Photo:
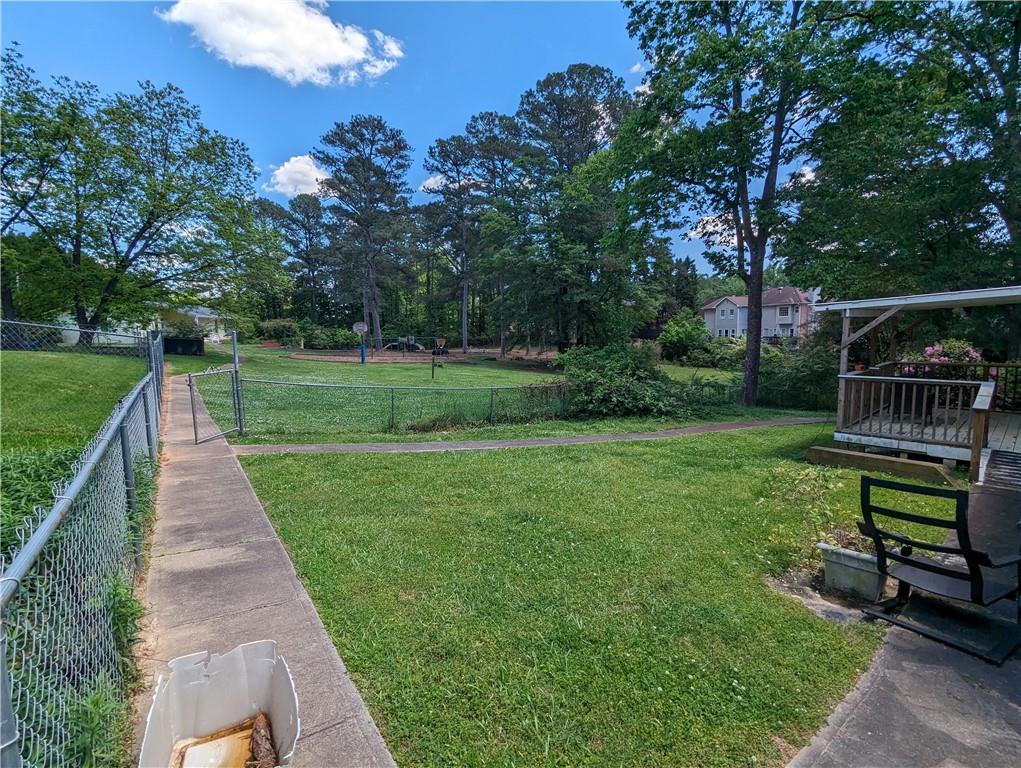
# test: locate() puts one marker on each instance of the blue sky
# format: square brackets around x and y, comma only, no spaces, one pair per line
[277,76]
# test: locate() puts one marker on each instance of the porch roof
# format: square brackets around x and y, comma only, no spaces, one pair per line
[975,297]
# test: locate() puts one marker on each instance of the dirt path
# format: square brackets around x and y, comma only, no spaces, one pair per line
[532,442]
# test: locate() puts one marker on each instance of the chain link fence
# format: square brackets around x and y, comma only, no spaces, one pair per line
[289,409]
[68,564]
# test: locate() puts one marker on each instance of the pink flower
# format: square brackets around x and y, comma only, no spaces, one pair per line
[930,350]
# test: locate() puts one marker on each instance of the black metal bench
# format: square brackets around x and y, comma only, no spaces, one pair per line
[978,563]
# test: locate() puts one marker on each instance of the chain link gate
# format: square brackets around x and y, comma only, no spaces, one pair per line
[217,407]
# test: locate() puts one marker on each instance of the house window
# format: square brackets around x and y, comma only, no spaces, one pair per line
[723,313]
[719,333]
[784,311]
[731,313]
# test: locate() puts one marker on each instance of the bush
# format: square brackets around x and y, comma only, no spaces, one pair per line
[686,333]
[282,330]
[247,329]
[805,377]
[720,352]
[618,381]
[183,329]
[947,351]
[318,337]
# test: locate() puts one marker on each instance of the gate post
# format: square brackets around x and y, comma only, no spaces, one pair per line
[239,403]
[191,397]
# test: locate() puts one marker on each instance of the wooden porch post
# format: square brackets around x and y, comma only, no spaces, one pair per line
[845,333]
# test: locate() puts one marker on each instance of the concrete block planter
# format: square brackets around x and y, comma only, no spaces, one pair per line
[855,573]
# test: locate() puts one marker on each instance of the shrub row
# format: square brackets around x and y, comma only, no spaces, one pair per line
[291,333]
[626,381]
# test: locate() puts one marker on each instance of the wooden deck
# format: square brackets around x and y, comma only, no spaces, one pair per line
[954,428]
[1005,432]
[944,436]
[1001,460]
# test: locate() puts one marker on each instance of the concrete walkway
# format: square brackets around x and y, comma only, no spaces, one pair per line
[531,442]
[924,705]
[219,577]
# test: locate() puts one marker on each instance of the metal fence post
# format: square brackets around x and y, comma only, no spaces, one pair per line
[191,397]
[393,409]
[129,487]
[149,431]
[10,752]
[492,403]
[239,403]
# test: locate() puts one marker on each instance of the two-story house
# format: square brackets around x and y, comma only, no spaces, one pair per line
[786,312]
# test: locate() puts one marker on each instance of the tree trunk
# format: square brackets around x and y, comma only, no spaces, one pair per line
[313,302]
[503,324]
[750,387]
[7,298]
[374,313]
[464,314]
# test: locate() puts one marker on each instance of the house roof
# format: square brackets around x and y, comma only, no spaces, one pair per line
[773,296]
[770,297]
[200,312]
[741,301]
[976,297]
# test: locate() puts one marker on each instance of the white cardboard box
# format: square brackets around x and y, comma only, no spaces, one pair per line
[208,693]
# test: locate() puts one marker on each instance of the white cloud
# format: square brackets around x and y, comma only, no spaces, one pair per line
[642,89]
[804,175]
[390,46]
[636,68]
[299,175]
[291,39]
[434,183]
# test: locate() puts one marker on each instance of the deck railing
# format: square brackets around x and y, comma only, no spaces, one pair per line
[910,409]
[1006,375]
[980,410]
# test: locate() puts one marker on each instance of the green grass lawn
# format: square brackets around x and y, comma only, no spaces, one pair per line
[687,373]
[314,433]
[51,405]
[278,364]
[178,364]
[60,399]
[583,605]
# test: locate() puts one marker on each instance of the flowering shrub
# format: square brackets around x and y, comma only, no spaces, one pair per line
[947,351]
